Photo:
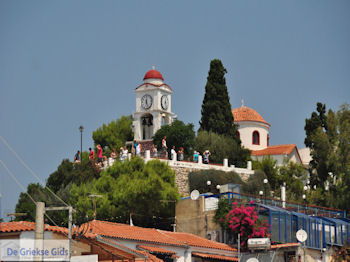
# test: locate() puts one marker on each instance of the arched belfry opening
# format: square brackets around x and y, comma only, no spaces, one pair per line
[147,126]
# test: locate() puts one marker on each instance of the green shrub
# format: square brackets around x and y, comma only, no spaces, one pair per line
[198,180]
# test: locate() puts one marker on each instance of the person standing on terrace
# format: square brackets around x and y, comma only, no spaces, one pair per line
[164,147]
[206,155]
[180,154]
[91,154]
[99,155]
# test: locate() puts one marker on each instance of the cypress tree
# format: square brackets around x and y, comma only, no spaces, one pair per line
[216,108]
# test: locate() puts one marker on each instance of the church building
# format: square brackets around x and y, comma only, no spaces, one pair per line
[253,131]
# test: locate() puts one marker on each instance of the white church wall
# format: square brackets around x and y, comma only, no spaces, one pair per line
[280,159]
[294,157]
[246,130]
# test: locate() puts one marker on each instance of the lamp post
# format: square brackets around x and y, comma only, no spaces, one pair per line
[265,187]
[304,197]
[209,185]
[261,194]
[81,129]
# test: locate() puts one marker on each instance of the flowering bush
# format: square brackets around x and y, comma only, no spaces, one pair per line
[244,220]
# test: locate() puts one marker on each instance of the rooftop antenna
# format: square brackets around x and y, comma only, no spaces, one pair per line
[242,102]
[93,197]
[153,67]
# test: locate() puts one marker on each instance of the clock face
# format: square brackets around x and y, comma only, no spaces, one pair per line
[146,101]
[165,102]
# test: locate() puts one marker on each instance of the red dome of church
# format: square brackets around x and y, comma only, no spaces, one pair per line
[153,74]
[245,113]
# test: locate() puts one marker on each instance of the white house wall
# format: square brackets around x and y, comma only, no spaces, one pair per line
[184,253]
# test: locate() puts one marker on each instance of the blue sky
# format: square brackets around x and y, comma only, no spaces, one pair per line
[69,63]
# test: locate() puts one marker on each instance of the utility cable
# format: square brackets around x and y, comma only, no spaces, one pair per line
[16,180]
[13,176]
[29,169]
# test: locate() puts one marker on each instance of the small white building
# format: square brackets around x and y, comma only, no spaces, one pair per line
[253,131]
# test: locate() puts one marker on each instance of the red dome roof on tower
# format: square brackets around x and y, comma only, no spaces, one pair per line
[153,74]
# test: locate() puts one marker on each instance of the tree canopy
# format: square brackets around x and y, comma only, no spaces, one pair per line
[198,180]
[222,147]
[178,134]
[216,108]
[115,134]
[146,191]
[328,137]
[69,173]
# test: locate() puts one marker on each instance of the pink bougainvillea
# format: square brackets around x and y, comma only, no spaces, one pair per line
[244,220]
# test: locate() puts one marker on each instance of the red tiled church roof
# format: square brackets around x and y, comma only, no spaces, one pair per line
[245,113]
[275,150]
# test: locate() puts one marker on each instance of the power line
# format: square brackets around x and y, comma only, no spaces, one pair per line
[29,169]
[13,176]
[16,180]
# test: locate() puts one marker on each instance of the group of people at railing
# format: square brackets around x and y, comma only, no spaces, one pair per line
[99,158]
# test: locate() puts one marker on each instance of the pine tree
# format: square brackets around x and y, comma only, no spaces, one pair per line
[216,108]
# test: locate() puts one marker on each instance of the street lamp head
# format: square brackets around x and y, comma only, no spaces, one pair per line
[208,182]
[261,192]
[81,128]
[304,196]
[218,187]
[266,181]
[305,188]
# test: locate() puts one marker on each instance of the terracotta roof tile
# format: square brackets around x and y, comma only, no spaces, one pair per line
[124,231]
[151,235]
[212,256]
[122,251]
[16,226]
[245,113]
[156,249]
[30,226]
[193,240]
[151,258]
[275,150]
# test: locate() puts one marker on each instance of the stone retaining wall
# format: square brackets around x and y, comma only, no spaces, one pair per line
[182,171]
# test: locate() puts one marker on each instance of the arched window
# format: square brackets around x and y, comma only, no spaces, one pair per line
[256,138]
[268,140]
[238,135]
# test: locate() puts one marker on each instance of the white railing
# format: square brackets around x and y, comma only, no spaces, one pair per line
[191,165]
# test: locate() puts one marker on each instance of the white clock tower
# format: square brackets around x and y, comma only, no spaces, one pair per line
[153,106]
